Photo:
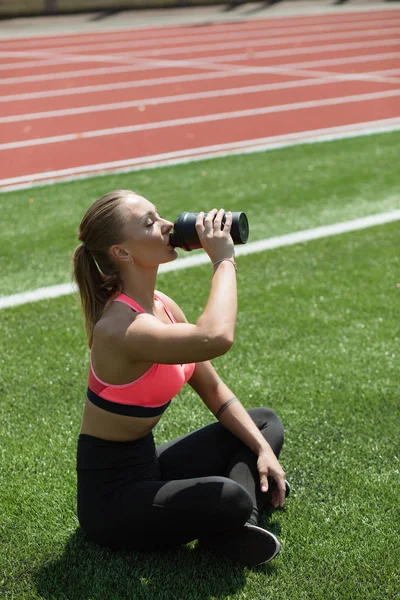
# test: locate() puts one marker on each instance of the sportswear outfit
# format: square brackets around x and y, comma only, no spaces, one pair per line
[138,496]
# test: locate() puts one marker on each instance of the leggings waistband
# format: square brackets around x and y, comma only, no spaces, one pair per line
[94,453]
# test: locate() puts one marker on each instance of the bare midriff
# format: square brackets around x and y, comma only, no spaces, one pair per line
[117,428]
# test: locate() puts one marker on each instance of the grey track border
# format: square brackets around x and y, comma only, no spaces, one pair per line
[102,21]
[314,137]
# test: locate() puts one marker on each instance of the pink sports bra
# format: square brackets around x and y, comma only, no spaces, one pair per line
[150,394]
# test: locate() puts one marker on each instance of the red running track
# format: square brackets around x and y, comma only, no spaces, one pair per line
[76,105]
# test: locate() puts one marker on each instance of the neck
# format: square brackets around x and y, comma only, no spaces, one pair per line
[139,284]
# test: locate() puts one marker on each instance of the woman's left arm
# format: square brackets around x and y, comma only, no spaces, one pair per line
[232,415]
[226,407]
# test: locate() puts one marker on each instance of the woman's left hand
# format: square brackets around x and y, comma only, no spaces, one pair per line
[268,466]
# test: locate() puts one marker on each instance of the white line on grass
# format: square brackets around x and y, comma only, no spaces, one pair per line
[289,239]
[237,114]
[185,156]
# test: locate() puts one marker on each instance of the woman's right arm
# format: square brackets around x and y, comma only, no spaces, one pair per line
[147,339]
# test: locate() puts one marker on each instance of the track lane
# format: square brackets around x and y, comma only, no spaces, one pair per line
[274,56]
[214,50]
[169,108]
[272,36]
[78,152]
[160,31]
[192,82]
[329,54]
[121,75]
[156,134]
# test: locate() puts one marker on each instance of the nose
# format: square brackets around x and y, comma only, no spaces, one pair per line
[167,226]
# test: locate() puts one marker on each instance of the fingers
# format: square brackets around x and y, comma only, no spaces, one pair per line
[200,220]
[213,221]
[226,228]
[281,491]
[208,221]
[264,483]
[278,493]
[213,235]
[218,220]
[228,223]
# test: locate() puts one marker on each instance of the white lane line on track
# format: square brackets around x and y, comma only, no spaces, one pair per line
[124,85]
[389,73]
[126,69]
[205,38]
[154,101]
[200,119]
[231,45]
[289,239]
[190,39]
[140,62]
[306,50]
[157,100]
[263,41]
[272,41]
[28,54]
[377,76]
[211,62]
[162,33]
[201,153]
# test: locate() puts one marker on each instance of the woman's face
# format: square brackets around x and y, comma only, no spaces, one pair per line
[146,234]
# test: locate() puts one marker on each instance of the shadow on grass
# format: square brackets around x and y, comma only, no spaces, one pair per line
[86,570]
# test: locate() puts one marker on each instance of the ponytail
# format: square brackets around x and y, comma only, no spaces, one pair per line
[95,287]
[94,272]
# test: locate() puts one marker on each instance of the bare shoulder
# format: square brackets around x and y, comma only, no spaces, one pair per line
[112,326]
[175,309]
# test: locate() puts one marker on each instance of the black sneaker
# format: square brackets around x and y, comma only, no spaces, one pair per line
[249,545]
[287,488]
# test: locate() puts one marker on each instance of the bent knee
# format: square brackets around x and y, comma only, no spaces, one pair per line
[263,415]
[266,417]
[236,502]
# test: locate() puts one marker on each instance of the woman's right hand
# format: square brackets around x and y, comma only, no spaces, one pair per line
[216,242]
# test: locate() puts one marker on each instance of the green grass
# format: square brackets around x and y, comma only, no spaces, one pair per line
[281,191]
[317,340]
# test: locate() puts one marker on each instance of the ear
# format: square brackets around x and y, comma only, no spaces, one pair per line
[119,253]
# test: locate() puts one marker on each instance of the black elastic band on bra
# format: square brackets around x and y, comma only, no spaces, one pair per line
[129,410]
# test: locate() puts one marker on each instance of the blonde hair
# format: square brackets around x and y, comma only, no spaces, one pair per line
[96,275]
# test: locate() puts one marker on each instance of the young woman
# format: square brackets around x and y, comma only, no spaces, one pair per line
[210,484]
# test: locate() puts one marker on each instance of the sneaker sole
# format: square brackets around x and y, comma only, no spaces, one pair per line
[249,545]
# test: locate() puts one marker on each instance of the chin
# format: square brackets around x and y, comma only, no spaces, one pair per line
[172,255]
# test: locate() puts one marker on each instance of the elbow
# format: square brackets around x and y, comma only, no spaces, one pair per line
[216,343]
[224,343]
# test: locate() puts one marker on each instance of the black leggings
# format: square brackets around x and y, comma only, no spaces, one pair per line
[134,496]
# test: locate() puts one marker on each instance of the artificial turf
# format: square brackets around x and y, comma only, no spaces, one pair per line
[281,191]
[316,340]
